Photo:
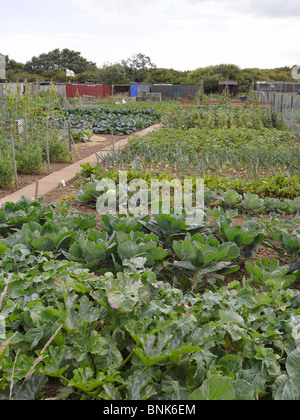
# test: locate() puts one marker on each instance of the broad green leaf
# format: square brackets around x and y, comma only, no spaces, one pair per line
[231,366]
[3,248]
[108,356]
[128,250]
[30,389]
[49,314]
[87,311]
[185,251]
[55,364]
[43,244]
[214,389]
[287,389]
[139,386]
[293,363]
[33,336]
[123,299]
[230,316]
[84,379]
[75,252]
[243,390]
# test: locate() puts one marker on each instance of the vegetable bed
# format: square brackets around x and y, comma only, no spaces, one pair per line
[128,307]
[116,120]
[146,307]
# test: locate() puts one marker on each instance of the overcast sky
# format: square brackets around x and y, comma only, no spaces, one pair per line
[179,34]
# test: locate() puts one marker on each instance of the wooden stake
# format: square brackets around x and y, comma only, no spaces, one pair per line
[47,148]
[36,190]
[14,159]
[25,115]
[112,137]
[69,136]
[25,129]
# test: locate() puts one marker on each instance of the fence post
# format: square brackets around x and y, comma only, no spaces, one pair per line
[292,112]
[25,129]
[36,193]
[274,101]
[69,136]
[14,159]
[47,147]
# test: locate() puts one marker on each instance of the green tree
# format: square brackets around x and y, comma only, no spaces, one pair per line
[138,67]
[60,60]
[13,65]
[227,71]
[162,75]
[113,73]
[93,76]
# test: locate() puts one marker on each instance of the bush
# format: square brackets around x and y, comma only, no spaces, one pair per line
[59,151]
[29,159]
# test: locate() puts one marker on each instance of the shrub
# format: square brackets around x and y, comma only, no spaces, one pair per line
[29,159]
[59,151]
[6,171]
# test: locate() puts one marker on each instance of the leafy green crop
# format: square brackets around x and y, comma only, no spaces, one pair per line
[247,237]
[289,242]
[269,273]
[120,121]
[205,254]
[230,198]
[223,117]
[135,310]
[169,227]
[133,337]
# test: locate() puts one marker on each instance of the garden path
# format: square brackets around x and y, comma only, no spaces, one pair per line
[52,181]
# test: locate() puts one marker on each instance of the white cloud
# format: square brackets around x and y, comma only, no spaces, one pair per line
[258,8]
[180,34]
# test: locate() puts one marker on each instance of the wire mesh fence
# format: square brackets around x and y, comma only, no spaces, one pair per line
[288,105]
[31,137]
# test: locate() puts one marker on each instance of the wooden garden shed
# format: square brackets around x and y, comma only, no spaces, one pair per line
[231,86]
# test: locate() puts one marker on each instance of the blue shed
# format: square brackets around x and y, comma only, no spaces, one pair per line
[176,91]
[133,90]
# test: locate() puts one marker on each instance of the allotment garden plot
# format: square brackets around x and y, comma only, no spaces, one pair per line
[150,307]
[37,132]
[106,120]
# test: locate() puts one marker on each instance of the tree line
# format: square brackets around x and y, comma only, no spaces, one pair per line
[138,68]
